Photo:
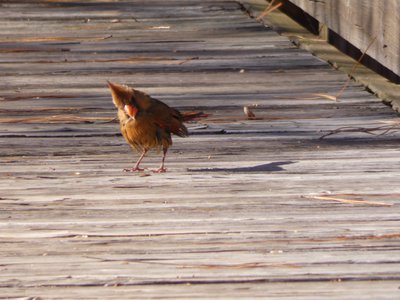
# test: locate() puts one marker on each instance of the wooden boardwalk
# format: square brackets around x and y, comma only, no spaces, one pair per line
[249,209]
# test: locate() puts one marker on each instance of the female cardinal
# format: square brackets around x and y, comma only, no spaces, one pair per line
[146,122]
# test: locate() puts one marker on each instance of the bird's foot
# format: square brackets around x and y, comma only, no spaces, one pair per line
[134,169]
[160,170]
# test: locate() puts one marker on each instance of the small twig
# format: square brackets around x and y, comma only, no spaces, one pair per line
[346,84]
[58,119]
[188,59]
[354,67]
[269,5]
[107,37]
[343,200]
[270,8]
[113,120]
[385,130]
[250,265]
[327,96]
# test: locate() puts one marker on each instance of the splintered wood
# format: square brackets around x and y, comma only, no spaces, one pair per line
[253,205]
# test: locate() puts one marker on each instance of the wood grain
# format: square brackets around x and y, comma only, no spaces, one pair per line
[237,215]
[361,22]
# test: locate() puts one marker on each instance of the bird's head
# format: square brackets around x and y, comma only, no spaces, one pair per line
[121,94]
[130,110]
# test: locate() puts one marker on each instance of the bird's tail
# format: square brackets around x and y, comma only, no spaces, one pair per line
[192,115]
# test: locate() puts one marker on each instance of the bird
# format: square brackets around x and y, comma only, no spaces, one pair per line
[147,123]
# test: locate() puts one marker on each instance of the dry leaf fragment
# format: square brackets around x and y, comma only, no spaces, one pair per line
[391,122]
[247,111]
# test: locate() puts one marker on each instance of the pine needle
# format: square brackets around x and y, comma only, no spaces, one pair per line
[354,67]
[270,8]
[343,200]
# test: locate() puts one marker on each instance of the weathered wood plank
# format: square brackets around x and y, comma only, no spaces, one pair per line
[360,22]
[239,215]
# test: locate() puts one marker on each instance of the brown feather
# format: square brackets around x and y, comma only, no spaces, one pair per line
[147,123]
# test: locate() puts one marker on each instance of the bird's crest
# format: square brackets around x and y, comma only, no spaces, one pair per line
[121,94]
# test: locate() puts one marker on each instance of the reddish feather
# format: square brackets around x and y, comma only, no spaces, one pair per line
[154,124]
[131,110]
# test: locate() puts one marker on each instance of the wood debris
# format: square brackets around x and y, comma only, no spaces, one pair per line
[248,112]
[345,200]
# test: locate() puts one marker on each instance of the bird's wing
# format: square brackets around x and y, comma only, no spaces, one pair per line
[164,116]
[168,118]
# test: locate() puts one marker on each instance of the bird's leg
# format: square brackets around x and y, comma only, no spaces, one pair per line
[136,167]
[161,169]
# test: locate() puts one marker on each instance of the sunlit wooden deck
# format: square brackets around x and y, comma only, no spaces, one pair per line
[248,209]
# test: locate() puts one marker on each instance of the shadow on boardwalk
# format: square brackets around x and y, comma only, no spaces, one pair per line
[270,167]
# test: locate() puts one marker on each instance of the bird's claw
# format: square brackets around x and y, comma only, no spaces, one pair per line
[160,170]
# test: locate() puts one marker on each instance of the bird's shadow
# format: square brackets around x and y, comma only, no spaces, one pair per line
[270,167]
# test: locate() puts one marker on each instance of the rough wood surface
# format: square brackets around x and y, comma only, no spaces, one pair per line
[361,22]
[249,209]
